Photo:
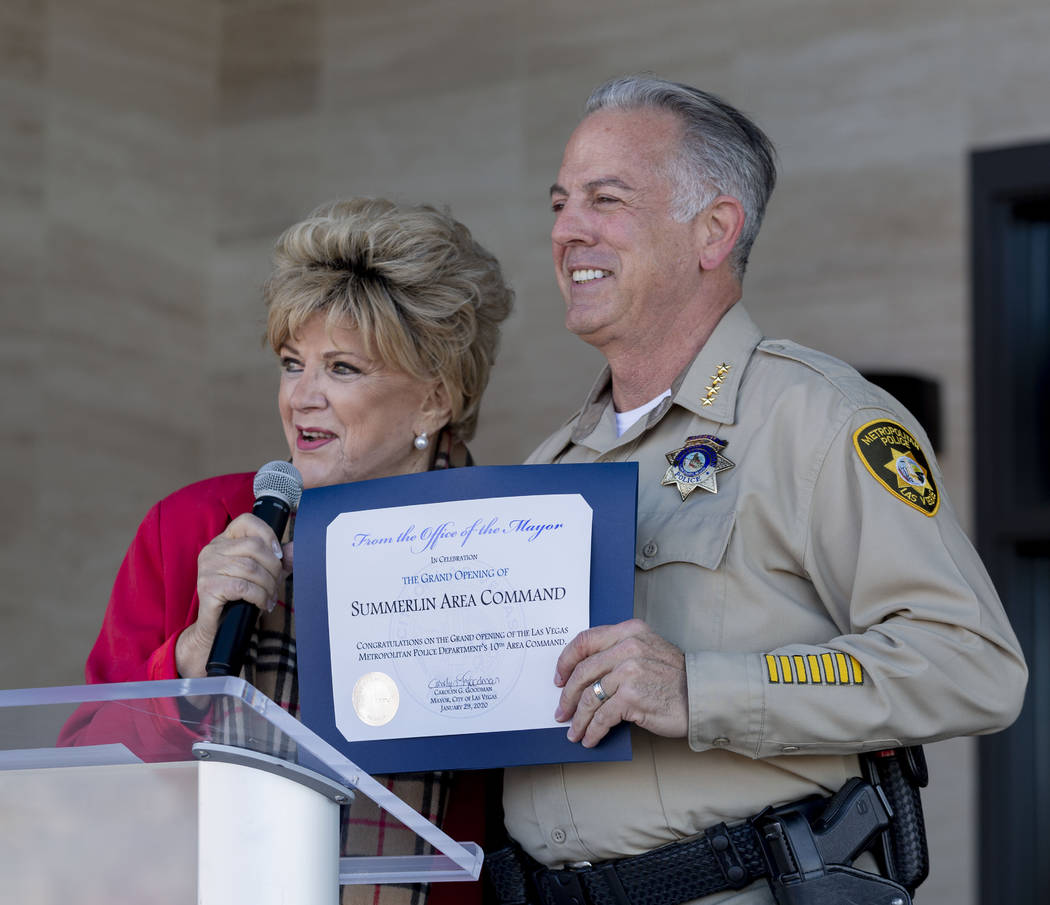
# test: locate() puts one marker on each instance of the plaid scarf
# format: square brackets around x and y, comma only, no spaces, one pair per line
[367,829]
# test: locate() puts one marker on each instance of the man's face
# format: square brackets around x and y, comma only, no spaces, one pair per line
[622,263]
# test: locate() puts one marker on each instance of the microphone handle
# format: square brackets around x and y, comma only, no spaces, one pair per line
[238,616]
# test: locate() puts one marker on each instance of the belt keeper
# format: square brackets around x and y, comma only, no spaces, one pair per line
[561,887]
[733,868]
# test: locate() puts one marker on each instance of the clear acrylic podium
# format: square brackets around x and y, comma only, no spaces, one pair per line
[189,791]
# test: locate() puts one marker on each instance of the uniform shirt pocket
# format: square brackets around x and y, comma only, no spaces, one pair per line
[694,537]
[680,589]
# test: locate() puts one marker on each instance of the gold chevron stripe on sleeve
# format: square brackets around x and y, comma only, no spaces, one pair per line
[771,665]
[828,668]
[814,668]
[840,660]
[858,673]
[800,669]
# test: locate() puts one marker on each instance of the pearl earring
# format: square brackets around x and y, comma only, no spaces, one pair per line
[422,441]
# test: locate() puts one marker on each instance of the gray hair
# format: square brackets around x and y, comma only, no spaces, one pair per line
[722,152]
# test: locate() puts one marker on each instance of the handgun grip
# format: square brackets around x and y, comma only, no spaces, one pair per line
[853,818]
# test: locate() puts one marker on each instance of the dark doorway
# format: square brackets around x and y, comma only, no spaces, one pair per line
[1010,244]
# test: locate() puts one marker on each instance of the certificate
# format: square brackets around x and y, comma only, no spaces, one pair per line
[448,618]
[431,610]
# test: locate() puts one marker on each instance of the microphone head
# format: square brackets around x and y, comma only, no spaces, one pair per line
[279,479]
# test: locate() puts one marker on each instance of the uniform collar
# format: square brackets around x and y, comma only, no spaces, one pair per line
[708,386]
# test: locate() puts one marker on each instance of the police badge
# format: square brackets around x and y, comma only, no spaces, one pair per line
[696,464]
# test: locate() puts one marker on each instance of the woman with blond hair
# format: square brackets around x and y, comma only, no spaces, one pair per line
[385,321]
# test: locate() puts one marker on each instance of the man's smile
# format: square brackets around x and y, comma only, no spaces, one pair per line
[586,276]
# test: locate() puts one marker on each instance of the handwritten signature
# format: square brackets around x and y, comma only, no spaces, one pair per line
[463,680]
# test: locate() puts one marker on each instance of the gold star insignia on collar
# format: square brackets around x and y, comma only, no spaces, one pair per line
[696,464]
[716,383]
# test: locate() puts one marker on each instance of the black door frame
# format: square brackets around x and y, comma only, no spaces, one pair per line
[1010,222]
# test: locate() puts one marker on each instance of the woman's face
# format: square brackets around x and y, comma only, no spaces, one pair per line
[347,416]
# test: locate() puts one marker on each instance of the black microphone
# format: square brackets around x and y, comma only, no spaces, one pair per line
[277,488]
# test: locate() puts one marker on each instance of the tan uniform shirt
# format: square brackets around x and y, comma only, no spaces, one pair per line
[820,612]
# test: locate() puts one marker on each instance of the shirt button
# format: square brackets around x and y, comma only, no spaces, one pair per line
[650,549]
[721,741]
[558,835]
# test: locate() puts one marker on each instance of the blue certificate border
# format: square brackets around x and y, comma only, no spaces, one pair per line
[611,490]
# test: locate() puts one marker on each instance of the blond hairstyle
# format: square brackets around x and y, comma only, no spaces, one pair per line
[426,297]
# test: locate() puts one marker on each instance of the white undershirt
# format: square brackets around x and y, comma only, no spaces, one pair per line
[624,420]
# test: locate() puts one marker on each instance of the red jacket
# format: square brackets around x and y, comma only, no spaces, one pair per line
[154,599]
[155,594]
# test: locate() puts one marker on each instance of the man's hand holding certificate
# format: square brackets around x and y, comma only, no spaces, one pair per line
[430,627]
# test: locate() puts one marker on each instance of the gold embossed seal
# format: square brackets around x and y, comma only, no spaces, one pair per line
[375,698]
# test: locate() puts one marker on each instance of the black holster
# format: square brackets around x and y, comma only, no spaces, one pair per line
[811,845]
[901,850]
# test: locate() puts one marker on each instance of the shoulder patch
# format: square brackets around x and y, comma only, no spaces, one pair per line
[895,459]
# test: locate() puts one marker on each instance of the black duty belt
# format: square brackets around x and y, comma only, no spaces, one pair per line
[805,848]
[722,858]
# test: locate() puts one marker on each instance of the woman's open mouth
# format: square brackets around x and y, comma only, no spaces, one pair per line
[312,438]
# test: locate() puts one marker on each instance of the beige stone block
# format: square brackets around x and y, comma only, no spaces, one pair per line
[106,444]
[22,38]
[22,144]
[386,55]
[977,9]
[23,348]
[267,175]
[102,467]
[120,393]
[391,150]
[22,539]
[1008,73]
[268,58]
[21,445]
[243,377]
[22,112]
[236,313]
[22,118]
[585,43]
[240,409]
[902,222]
[130,179]
[851,97]
[767,24]
[131,297]
[152,60]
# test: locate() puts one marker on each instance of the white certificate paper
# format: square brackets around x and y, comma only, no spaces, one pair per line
[448,618]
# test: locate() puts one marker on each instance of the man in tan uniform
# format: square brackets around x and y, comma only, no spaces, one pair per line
[804,591]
